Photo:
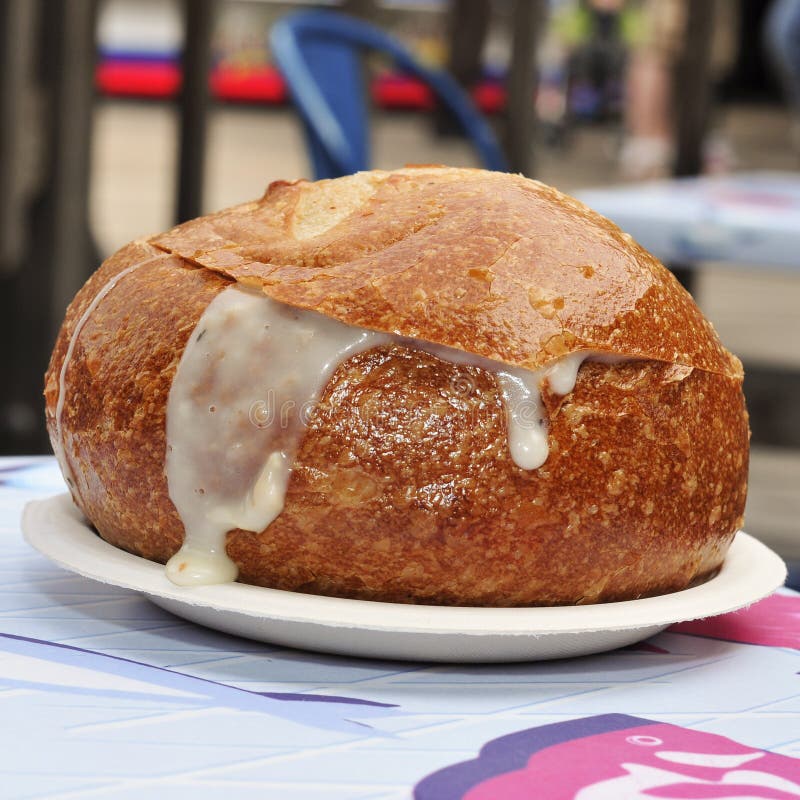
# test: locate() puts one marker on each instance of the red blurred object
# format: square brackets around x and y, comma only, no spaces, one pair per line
[261,85]
[398,91]
[161,79]
[490,97]
[134,78]
[402,92]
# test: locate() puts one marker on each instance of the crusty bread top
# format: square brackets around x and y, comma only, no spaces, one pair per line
[486,262]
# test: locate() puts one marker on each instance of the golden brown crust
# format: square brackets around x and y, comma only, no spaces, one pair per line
[118,380]
[486,262]
[403,489]
[446,517]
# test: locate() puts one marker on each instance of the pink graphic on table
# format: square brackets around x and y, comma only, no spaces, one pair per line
[774,622]
[615,757]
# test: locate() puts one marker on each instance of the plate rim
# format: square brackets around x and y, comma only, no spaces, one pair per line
[55,527]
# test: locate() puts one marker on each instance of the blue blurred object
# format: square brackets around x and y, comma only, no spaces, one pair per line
[319,55]
[793,576]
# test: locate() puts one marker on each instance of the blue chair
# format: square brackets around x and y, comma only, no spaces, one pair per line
[319,55]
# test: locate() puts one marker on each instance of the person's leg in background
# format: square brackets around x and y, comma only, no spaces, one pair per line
[651,92]
[648,149]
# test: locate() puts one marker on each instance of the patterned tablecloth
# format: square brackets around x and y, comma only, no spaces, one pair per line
[104,695]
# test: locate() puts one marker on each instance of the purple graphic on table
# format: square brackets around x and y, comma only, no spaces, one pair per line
[615,757]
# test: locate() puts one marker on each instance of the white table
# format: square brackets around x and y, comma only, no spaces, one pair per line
[104,695]
[745,219]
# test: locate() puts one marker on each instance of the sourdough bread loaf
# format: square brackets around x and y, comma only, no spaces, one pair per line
[401,484]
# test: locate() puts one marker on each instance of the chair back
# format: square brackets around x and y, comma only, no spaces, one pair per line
[319,55]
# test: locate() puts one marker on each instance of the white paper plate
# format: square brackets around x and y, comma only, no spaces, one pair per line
[392,630]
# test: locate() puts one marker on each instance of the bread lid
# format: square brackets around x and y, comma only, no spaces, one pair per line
[489,263]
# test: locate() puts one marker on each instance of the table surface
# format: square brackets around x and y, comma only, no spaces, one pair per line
[748,219]
[104,695]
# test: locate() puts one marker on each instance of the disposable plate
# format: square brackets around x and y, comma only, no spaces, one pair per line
[750,572]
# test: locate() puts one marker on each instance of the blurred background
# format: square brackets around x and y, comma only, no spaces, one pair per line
[119,118]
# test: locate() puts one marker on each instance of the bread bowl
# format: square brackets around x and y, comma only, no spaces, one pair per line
[430,385]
